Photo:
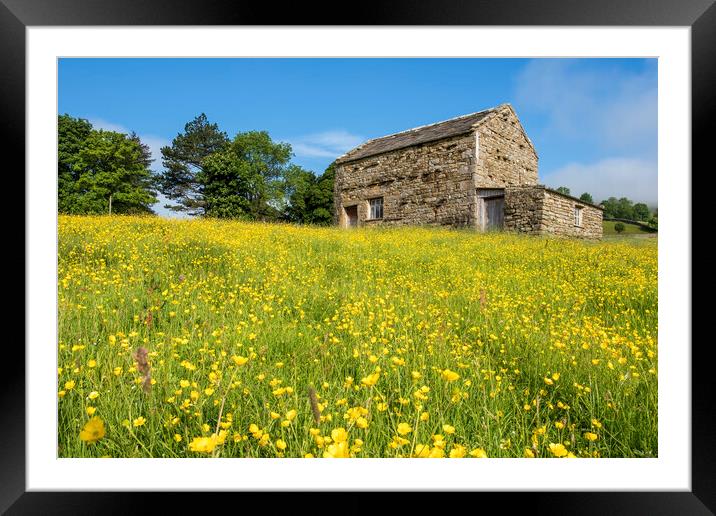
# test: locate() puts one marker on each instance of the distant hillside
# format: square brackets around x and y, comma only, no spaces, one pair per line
[629,229]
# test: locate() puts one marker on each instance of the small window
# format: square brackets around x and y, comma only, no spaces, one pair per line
[376,208]
[578,216]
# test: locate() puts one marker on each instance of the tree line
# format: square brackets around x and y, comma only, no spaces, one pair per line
[206,174]
[621,208]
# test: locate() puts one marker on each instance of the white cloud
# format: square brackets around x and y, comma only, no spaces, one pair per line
[615,110]
[633,178]
[99,123]
[312,151]
[328,144]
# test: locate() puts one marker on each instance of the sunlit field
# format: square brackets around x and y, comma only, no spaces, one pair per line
[224,339]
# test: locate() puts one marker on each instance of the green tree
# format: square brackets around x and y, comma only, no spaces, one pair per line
[654,220]
[245,179]
[641,211]
[621,208]
[183,163]
[619,227]
[309,197]
[625,209]
[586,197]
[112,175]
[563,190]
[610,207]
[71,136]
[322,200]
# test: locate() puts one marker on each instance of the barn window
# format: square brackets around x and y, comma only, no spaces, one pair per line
[376,208]
[578,216]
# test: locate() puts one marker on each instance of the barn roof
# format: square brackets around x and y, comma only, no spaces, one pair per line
[423,134]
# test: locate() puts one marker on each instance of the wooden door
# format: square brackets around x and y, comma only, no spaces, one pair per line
[495,207]
[490,208]
[494,212]
[351,216]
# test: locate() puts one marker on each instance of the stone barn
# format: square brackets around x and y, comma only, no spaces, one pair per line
[477,170]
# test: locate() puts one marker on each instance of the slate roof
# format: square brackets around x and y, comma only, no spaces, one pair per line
[423,134]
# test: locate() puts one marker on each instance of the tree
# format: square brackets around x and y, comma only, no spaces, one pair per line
[309,198]
[183,162]
[322,199]
[146,156]
[245,179]
[618,208]
[625,209]
[586,198]
[610,207]
[619,227]
[654,220]
[563,190]
[641,211]
[71,136]
[112,175]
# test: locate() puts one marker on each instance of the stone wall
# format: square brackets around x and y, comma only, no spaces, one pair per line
[432,183]
[541,211]
[524,207]
[505,155]
[558,217]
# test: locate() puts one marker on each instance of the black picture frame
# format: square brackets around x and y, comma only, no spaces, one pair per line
[699,15]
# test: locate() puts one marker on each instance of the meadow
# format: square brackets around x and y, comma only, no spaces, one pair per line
[207,338]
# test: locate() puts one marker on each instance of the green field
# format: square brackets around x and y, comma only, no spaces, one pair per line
[204,338]
[629,229]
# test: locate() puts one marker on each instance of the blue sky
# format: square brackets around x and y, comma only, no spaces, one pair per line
[592,121]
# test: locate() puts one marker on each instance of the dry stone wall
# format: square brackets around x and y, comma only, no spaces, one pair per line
[524,207]
[505,155]
[558,217]
[538,210]
[430,183]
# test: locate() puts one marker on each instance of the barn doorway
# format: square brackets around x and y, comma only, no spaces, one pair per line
[351,216]
[490,209]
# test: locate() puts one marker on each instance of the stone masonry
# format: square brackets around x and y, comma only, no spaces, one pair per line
[478,170]
[427,184]
[539,210]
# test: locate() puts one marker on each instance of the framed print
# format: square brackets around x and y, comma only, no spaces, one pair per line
[224,370]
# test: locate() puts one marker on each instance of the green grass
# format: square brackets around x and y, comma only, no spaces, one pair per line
[629,229]
[477,343]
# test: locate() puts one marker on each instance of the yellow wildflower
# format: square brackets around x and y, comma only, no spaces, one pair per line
[239,360]
[93,430]
[404,428]
[558,450]
[449,376]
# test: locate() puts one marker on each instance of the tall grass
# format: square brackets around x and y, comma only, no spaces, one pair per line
[415,341]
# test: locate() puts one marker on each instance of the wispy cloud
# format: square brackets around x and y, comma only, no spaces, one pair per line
[327,144]
[633,178]
[99,123]
[612,112]
[612,109]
